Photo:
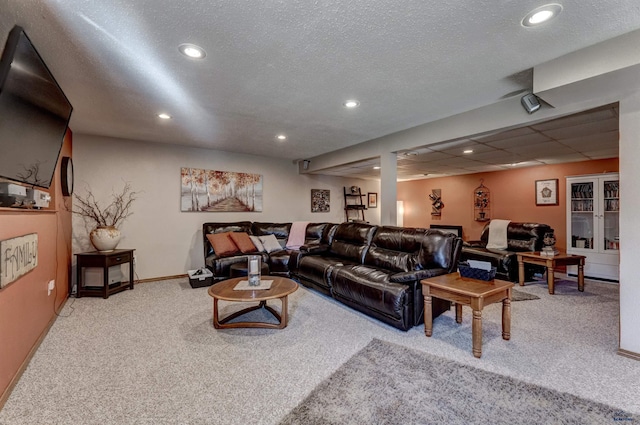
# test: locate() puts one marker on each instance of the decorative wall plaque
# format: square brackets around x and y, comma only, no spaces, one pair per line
[18,256]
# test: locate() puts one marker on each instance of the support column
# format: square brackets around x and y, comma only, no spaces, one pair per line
[388,188]
[629,155]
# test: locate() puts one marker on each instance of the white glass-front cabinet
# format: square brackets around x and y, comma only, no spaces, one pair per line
[593,205]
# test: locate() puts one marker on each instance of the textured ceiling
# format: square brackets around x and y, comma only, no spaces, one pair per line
[286,66]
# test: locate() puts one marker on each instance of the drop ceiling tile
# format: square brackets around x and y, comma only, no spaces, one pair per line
[501,135]
[584,129]
[528,139]
[575,157]
[540,149]
[598,114]
[602,154]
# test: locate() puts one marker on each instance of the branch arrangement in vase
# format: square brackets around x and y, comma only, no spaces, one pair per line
[111,215]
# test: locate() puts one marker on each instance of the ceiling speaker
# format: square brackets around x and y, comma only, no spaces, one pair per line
[530,103]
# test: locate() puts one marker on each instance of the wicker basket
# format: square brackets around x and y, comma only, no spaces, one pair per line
[480,274]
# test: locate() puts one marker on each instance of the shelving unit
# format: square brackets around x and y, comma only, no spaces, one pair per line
[593,223]
[353,205]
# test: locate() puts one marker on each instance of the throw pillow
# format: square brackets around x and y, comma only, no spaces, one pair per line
[243,242]
[257,243]
[222,244]
[270,243]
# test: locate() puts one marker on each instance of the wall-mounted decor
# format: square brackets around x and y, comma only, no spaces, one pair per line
[220,191]
[436,202]
[547,192]
[372,198]
[320,200]
[17,257]
[481,203]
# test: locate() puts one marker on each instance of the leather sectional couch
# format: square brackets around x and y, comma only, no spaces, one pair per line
[278,260]
[373,269]
[520,237]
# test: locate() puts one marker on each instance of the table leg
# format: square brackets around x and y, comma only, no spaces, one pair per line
[476,329]
[458,313]
[428,318]
[550,279]
[216,323]
[581,276]
[283,313]
[506,317]
[520,271]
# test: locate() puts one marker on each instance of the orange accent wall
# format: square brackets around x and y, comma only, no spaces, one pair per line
[512,197]
[26,311]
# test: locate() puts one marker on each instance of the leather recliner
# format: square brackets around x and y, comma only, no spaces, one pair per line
[521,237]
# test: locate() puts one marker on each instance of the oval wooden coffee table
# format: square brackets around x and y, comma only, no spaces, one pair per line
[280,288]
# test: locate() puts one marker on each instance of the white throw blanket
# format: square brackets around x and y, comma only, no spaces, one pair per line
[498,234]
[297,234]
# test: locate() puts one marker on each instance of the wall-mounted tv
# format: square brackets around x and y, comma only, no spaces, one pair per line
[34,114]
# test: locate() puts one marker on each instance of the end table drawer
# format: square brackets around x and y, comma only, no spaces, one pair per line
[119,259]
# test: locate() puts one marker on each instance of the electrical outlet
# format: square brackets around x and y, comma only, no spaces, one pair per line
[50,286]
[134,259]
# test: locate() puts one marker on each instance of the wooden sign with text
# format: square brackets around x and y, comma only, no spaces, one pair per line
[18,256]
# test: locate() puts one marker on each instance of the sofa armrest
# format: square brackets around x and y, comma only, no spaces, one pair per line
[474,244]
[314,249]
[416,275]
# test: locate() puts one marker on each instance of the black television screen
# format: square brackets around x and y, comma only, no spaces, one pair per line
[34,114]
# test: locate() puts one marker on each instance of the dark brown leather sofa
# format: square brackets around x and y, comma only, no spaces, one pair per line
[377,270]
[520,237]
[277,261]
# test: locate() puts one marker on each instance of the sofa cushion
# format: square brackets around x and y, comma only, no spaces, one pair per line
[257,243]
[270,243]
[243,242]
[436,250]
[395,248]
[222,244]
[351,240]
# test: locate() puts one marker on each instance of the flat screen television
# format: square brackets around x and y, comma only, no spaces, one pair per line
[34,114]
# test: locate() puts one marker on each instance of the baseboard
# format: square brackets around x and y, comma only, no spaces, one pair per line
[7,392]
[629,354]
[155,279]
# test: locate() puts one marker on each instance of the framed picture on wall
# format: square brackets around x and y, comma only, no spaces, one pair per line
[547,192]
[372,198]
[320,200]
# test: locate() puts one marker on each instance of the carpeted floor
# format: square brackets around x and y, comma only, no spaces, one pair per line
[386,383]
[152,356]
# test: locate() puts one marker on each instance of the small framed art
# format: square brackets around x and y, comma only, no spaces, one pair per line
[372,198]
[320,200]
[547,192]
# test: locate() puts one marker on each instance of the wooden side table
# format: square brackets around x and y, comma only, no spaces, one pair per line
[551,263]
[104,260]
[472,292]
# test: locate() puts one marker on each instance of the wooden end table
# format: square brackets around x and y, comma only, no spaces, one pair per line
[103,260]
[472,292]
[280,288]
[551,263]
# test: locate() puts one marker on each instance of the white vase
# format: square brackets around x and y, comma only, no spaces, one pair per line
[105,238]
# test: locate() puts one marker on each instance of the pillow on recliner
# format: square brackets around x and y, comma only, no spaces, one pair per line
[270,243]
[243,242]
[222,244]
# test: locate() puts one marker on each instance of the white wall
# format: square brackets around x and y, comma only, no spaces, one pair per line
[167,241]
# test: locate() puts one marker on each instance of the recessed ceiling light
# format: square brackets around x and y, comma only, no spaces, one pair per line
[351,104]
[377,167]
[467,151]
[281,137]
[192,51]
[541,14]
[164,116]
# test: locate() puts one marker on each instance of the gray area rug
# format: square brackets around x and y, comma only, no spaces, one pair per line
[386,383]
[522,296]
